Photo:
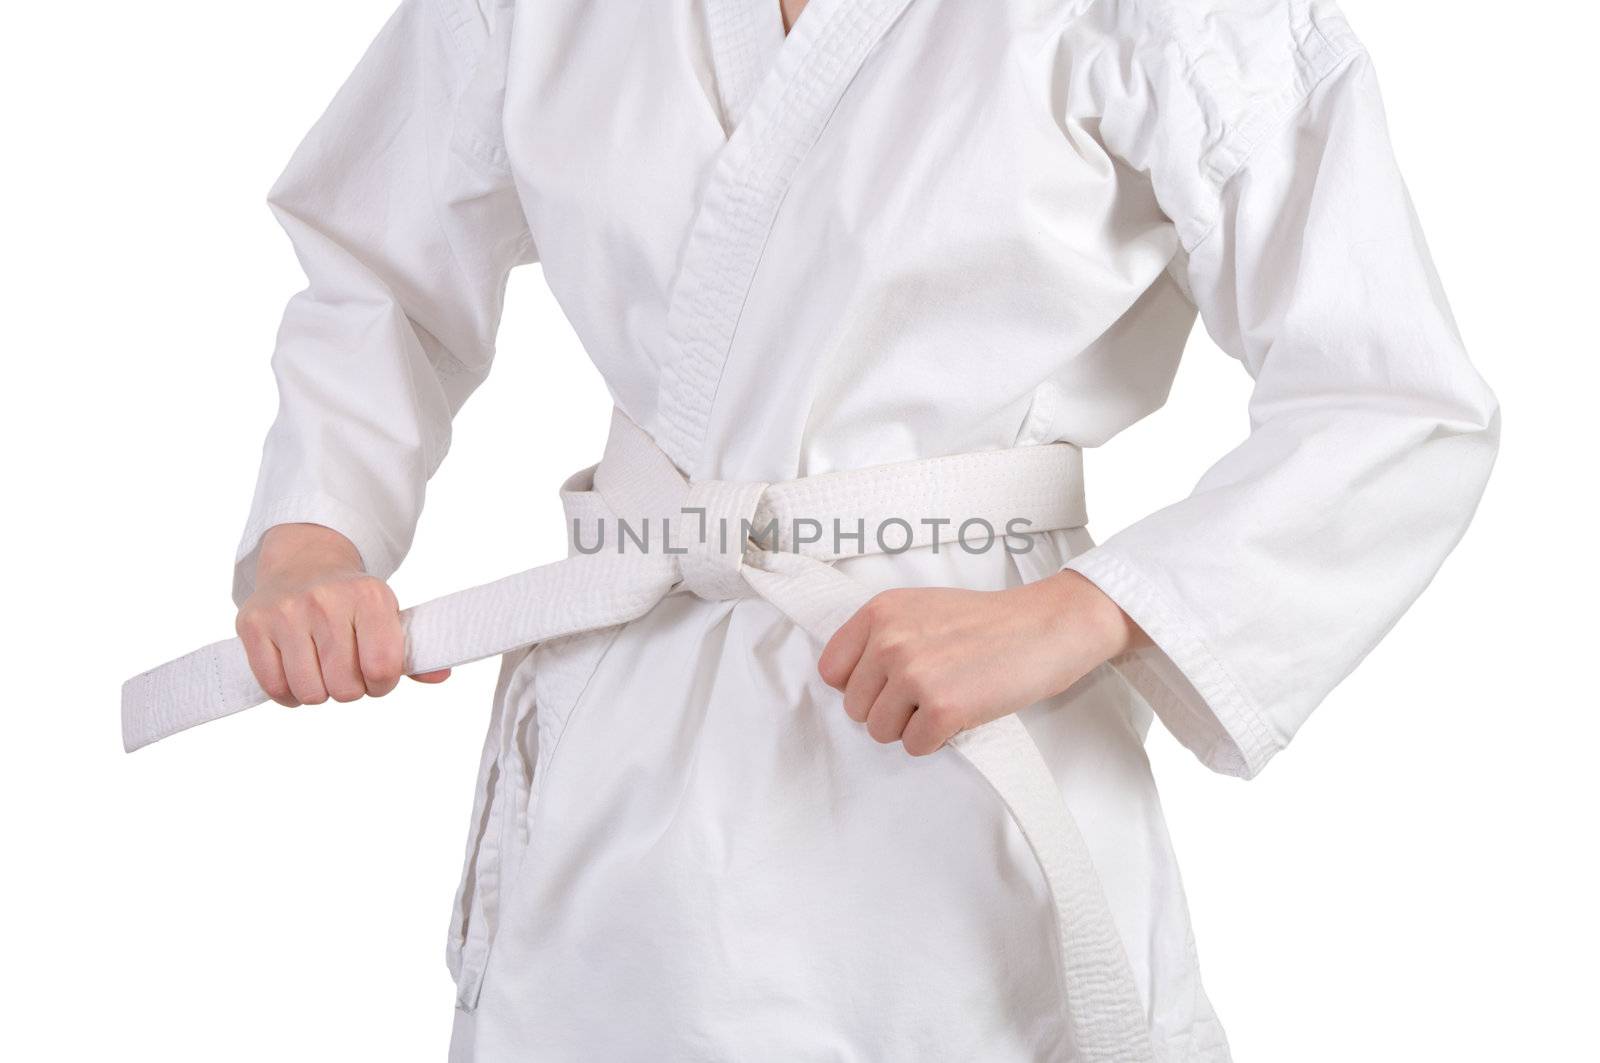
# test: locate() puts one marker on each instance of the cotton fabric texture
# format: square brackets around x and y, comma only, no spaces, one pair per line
[910,228]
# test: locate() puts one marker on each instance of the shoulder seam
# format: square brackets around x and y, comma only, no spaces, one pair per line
[1341,52]
[1321,56]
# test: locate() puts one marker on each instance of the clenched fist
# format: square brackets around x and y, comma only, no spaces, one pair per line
[317,626]
[919,665]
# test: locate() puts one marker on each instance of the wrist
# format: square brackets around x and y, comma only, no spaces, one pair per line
[299,547]
[1089,620]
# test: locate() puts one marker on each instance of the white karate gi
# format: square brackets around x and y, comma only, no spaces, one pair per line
[910,228]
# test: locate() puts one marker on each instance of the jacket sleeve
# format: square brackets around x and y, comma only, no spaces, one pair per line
[405,219]
[1371,435]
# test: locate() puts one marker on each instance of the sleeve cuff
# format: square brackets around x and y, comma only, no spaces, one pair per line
[1185,683]
[380,556]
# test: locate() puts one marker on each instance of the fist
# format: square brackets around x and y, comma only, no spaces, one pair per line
[317,626]
[917,666]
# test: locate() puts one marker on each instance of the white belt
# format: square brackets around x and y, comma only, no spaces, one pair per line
[637,483]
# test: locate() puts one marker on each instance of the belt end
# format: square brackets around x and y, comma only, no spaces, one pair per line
[208,684]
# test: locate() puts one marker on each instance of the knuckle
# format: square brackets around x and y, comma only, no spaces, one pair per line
[308,689]
[290,612]
[324,599]
[385,668]
[895,649]
[373,591]
[383,656]
[854,709]
[940,713]
[917,674]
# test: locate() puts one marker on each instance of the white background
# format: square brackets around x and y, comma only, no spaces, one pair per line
[1413,880]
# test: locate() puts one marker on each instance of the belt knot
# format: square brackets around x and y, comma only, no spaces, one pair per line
[720,518]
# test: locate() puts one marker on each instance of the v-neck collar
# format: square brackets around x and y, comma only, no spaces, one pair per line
[779,114]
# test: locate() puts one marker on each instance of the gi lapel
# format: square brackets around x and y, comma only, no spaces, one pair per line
[746,185]
[746,37]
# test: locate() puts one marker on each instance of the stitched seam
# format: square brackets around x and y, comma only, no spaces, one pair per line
[1255,127]
[1339,63]
[1233,702]
[454,25]
[216,679]
[480,148]
[715,304]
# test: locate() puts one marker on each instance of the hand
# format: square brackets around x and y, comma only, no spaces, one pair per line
[919,665]
[317,625]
